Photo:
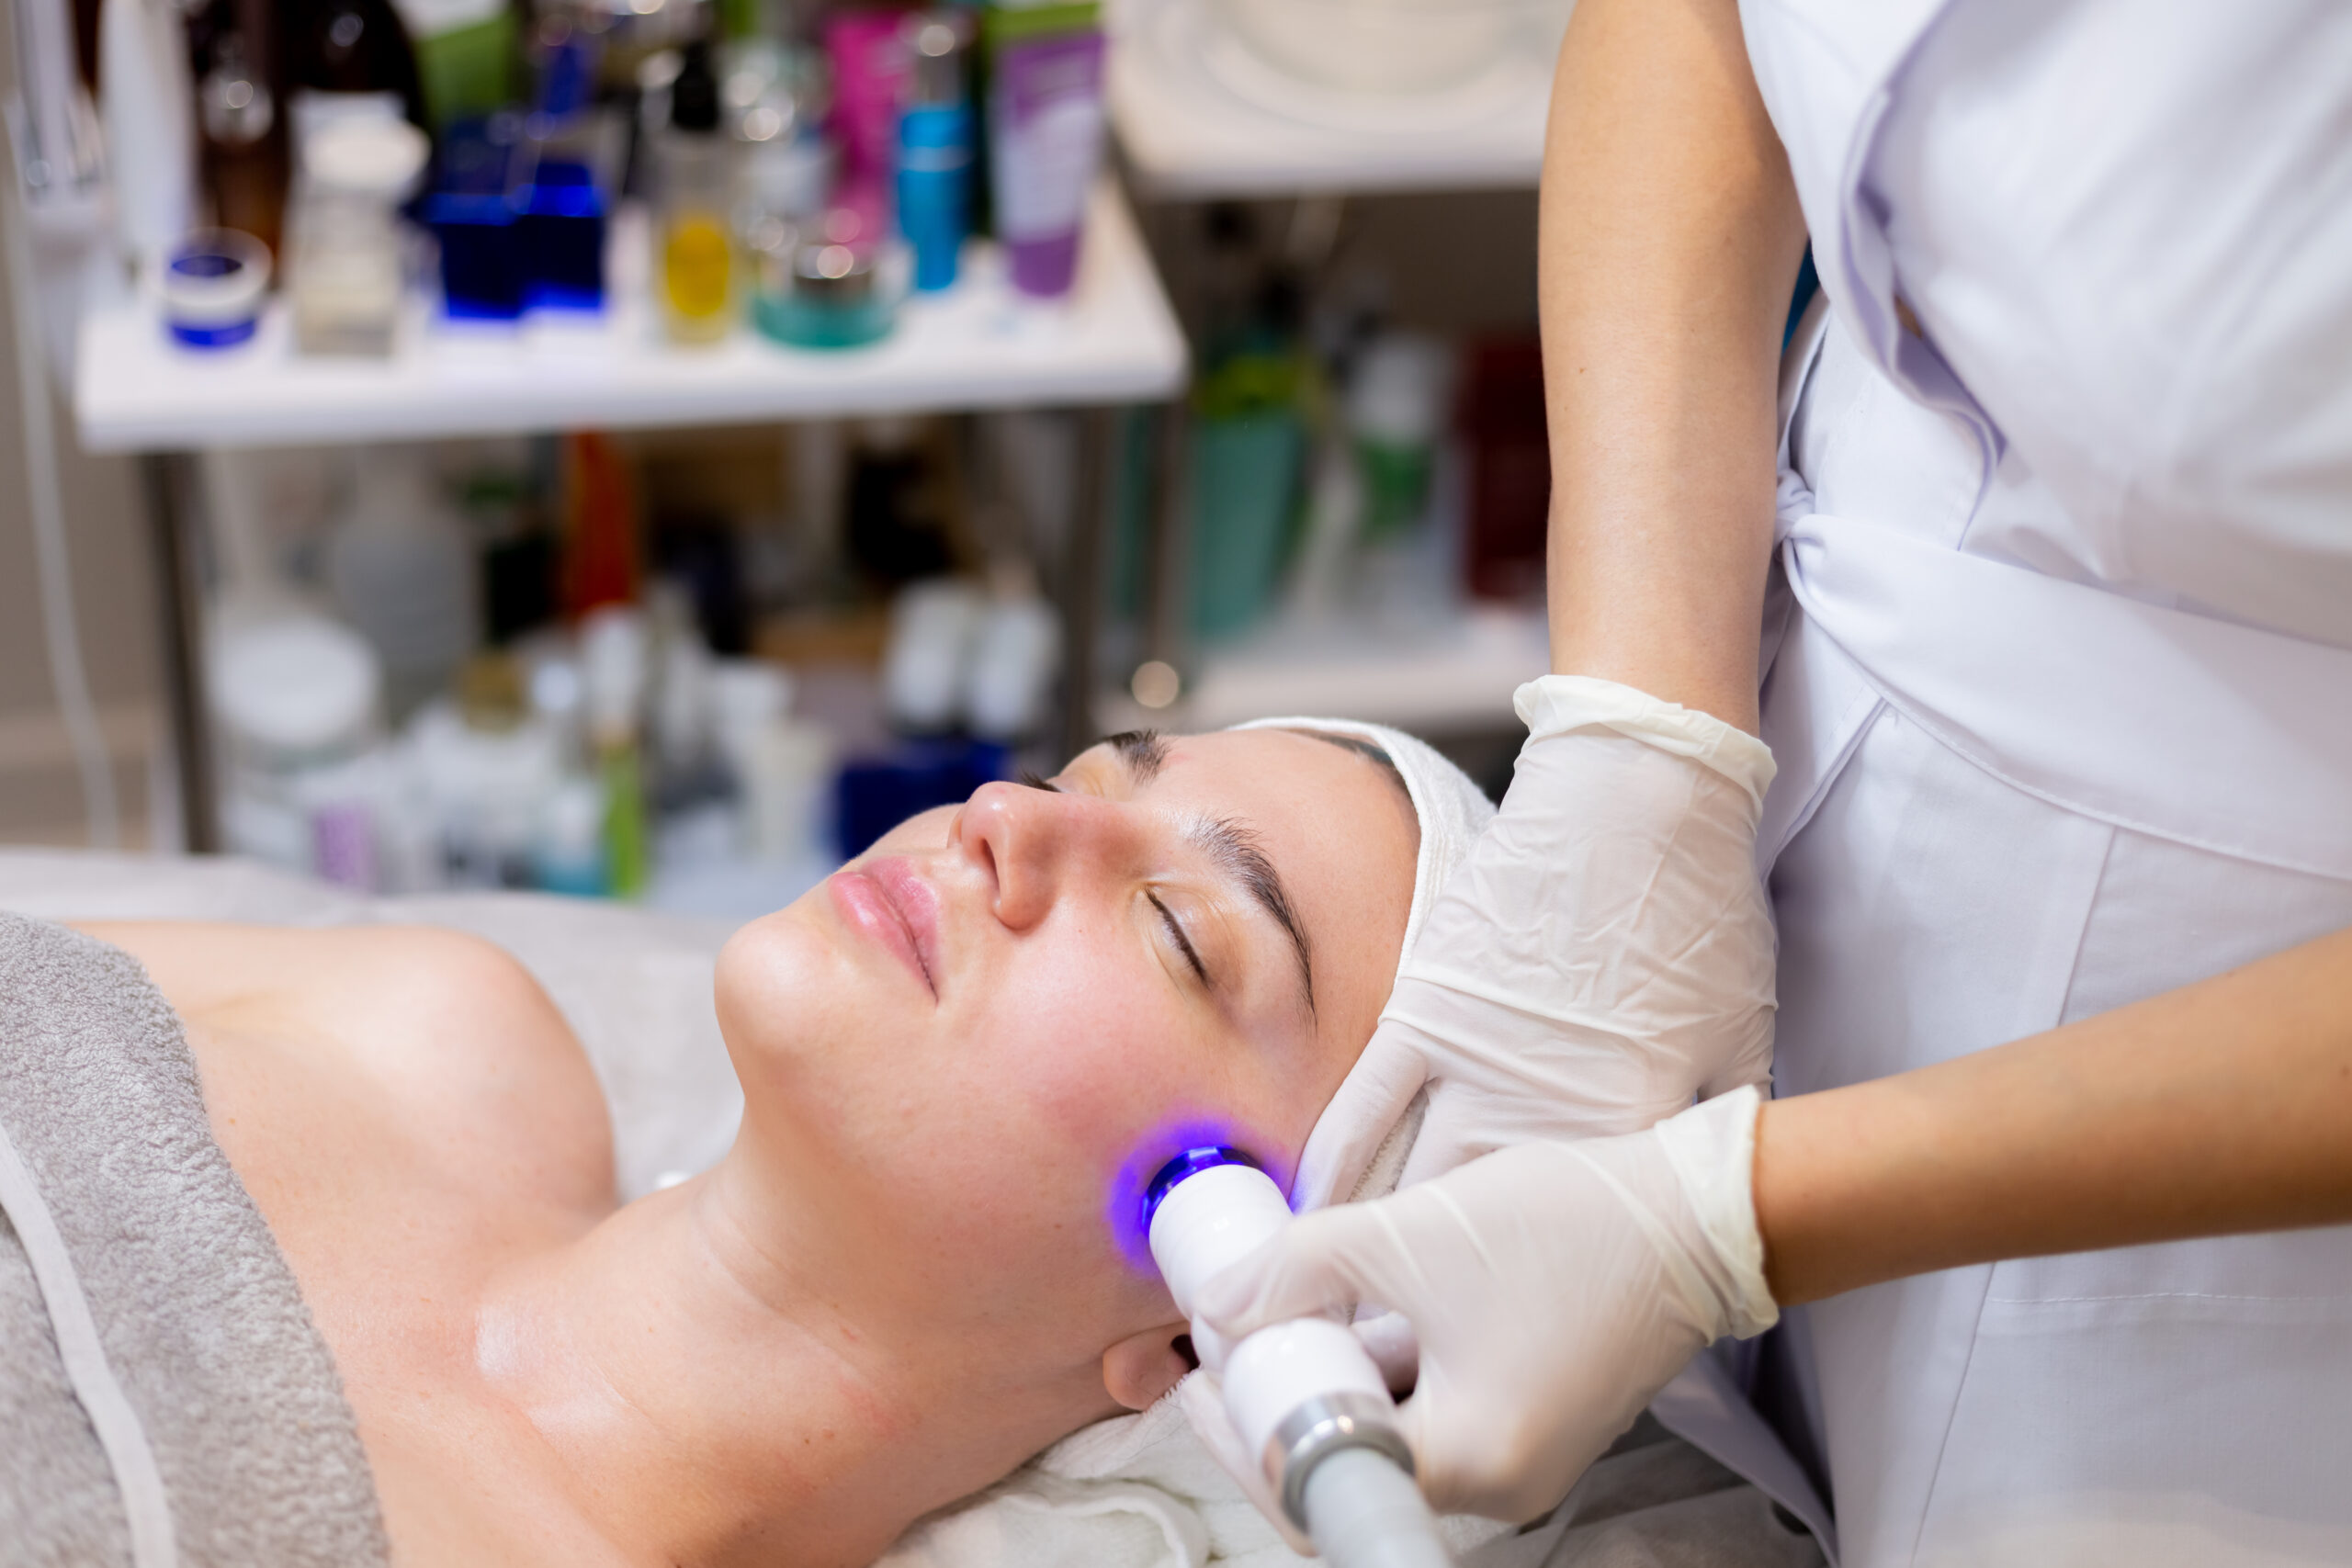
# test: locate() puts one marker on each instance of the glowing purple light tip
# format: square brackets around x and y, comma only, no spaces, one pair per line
[1189,1162]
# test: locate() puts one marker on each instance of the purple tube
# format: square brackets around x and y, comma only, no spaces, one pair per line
[1046,127]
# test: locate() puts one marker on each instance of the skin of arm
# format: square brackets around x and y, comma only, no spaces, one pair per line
[1669,237]
[2223,1107]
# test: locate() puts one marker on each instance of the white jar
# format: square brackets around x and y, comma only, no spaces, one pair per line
[346,271]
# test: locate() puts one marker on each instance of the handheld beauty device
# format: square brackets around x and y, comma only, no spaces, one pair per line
[1305,1396]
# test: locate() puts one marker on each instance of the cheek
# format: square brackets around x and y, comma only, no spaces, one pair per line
[1111,1074]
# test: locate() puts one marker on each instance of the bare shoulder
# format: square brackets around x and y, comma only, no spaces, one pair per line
[434,1039]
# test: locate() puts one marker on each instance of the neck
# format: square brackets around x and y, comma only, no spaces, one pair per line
[718,1382]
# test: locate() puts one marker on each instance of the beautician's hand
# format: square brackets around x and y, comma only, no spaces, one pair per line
[1555,1287]
[1604,955]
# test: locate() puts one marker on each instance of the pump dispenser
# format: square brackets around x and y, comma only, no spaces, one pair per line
[697,258]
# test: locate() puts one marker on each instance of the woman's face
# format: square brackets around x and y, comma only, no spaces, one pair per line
[977,1040]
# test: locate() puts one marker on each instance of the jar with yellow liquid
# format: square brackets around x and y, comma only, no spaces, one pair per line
[694,261]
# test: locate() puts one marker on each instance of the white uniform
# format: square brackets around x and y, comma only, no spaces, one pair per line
[2062,707]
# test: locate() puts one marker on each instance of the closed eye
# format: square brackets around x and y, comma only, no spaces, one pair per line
[1034,781]
[1183,943]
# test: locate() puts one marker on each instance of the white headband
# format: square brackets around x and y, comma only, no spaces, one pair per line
[1453,812]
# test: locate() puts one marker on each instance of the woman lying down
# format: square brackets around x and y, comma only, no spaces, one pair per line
[907,1276]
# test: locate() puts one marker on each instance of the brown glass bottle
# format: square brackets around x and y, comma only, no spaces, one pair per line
[354,47]
[241,117]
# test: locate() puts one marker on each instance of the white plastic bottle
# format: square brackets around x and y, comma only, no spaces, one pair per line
[402,569]
[1014,663]
[148,106]
[934,627]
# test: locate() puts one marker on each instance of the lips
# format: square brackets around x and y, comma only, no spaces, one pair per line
[887,901]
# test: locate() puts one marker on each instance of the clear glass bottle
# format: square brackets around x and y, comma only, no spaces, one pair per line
[569,167]
[695,263]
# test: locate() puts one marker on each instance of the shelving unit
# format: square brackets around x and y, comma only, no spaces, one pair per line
[978,346]
[1115,341]
[1198,117]
[1446,677]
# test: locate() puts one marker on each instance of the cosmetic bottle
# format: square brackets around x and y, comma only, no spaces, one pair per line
[869,65]
[613,656]
[150,140]
[570,171]
[242,129]
[475,213]
[783,767]
[934,631]
[465,50]
[344,268]
[1016,657]
[775,99]
[817,294]
[695,258]
[568,850]
[1046,131]
[935,146]
[346,59]
[1395,411]
[403,570]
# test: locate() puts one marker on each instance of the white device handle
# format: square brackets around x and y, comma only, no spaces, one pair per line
[1299,1393]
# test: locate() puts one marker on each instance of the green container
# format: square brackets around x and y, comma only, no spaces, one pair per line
[796,320]
[1246,470]
[467,70]
[1396,486]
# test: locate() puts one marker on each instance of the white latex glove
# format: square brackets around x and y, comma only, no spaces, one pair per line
[1555,1287]
[1603,956]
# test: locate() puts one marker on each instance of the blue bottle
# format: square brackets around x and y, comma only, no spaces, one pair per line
[566,194]
[473,212]
[935,147]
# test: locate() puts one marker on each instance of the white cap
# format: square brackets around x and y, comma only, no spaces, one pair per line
[613,668]
[366,157]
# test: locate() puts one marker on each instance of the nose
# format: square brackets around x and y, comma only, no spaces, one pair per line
[1035,844]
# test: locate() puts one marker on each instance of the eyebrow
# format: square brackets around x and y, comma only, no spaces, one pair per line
[1145,751]
[1236,852]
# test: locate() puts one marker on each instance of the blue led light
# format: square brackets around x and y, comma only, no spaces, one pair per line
[1189,1162]
[1186,1143]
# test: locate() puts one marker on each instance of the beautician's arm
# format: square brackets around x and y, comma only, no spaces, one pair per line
[1669,239]
[2221,1106]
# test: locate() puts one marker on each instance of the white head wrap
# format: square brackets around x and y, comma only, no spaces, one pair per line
[1453,812]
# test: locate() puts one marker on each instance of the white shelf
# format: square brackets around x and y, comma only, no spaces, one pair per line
[978,346]
[1451,678]
[1200,116]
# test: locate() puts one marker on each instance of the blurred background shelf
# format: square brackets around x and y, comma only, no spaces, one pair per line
[1280,449]
[978,346]
[1200,116]
[1445,678]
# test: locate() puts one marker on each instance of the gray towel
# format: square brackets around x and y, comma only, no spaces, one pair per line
[203,1330]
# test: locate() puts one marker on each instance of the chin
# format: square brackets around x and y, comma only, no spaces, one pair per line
[770,980]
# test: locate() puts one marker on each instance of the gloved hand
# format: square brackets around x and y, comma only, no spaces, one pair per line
[1603,956]
[1555,1288]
